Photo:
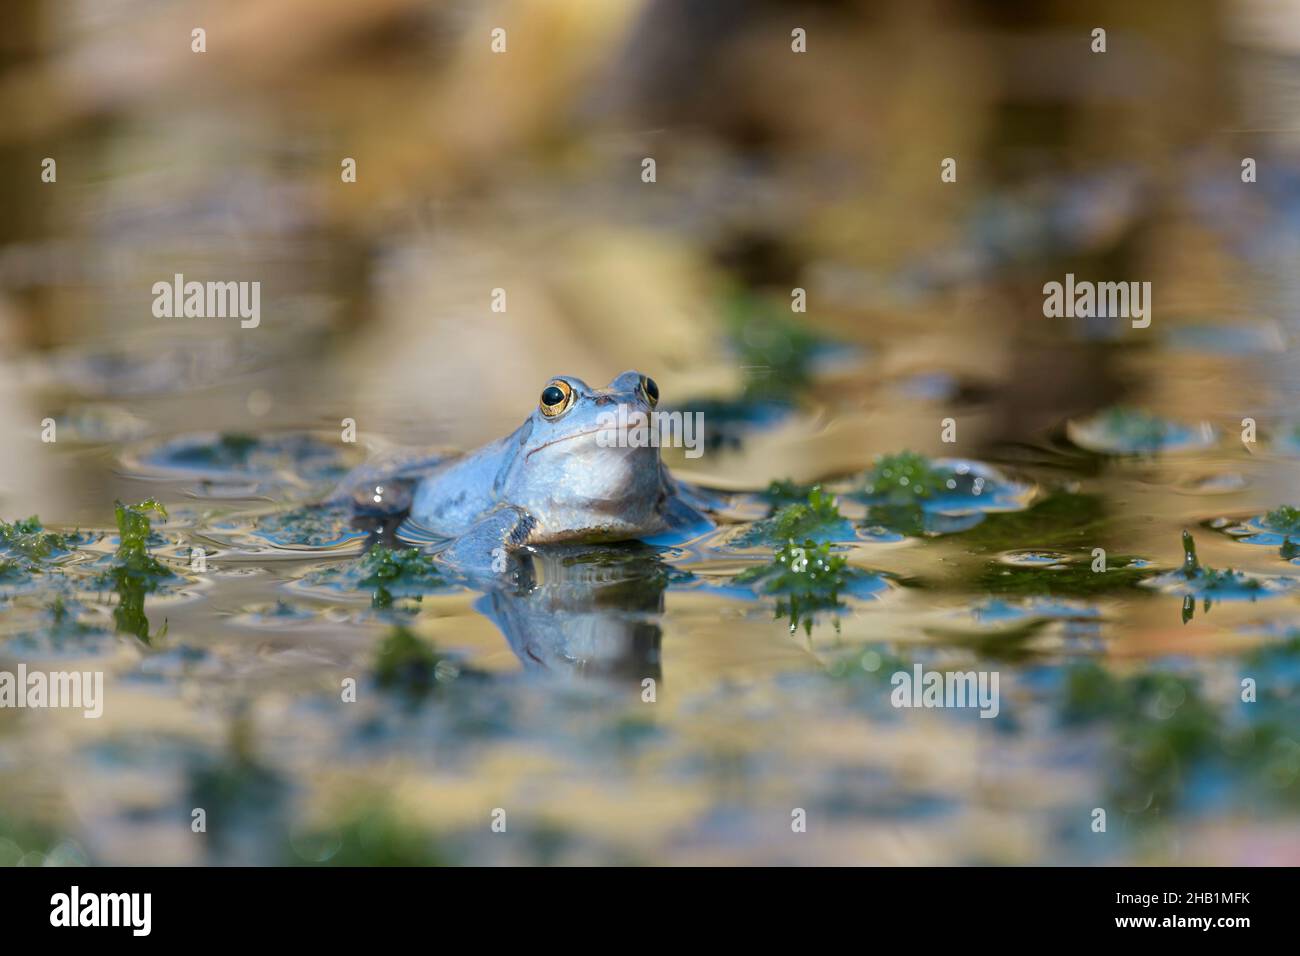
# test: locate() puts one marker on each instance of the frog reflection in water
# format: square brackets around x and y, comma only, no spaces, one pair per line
[567,474]
[584,610]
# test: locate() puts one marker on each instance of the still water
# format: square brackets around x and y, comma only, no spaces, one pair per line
[921,465]
[729,696]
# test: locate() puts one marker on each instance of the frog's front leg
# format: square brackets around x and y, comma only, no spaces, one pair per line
[488,546]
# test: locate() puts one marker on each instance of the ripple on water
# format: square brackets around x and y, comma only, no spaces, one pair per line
[294,533]
[279,615]
[1127,431]
[1035,559]
[1279,528]
[382,573]
[231,462]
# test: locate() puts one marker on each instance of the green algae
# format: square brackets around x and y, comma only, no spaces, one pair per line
[1121,430]
[905,478]
[392,571]
[816,516]
[1165,731]
[1059,521]
[817,513]
[29,539]
[15,571]
[1211,579]
[1073,579]
[382,566]
[371,834]
[1134,429]
[134,572]
[407,665]
[1284,520]
[807,578]
[230,450]
[785,492]
[313,526]
[387,573]
[775,350]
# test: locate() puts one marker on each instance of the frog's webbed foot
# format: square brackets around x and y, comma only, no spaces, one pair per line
[491,543]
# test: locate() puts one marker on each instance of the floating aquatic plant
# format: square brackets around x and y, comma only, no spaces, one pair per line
[29,539]
[906,477]
[1128,431]
[228,450]
[1195,581]
[1212,579]
[390,570]
[1284,520]
[785,492]
[1071,577]
[808,577]
[815,516]
[952,495]
[1276,528]
[237,456]
[382,565]
[134,572]
[802,519]
[327,526]
[388,573]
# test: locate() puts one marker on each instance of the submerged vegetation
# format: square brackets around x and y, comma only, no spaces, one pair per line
[407,665]
[1172,742]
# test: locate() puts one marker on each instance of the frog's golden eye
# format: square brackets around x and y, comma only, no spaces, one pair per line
[556,398]
[650,390]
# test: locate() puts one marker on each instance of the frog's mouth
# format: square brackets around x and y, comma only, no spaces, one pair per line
[618,439]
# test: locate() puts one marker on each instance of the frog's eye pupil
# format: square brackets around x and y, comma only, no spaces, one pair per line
[651,389]
[551,395]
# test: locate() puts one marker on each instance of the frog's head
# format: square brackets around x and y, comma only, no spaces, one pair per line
[581,466]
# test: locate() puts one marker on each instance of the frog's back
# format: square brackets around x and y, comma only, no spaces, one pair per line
[450,499]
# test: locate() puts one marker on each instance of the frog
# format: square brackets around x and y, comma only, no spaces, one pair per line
[569,473]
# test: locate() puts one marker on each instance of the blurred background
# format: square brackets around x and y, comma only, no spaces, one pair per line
[522,171]
[775,170]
